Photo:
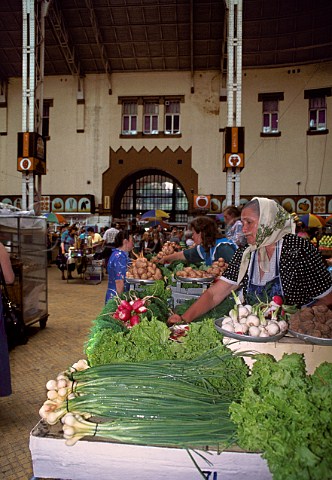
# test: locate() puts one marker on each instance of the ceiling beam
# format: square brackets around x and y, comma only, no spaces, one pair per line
[100,43]
[192,89]
[55,18]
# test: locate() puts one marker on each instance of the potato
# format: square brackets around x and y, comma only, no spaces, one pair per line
[320,308]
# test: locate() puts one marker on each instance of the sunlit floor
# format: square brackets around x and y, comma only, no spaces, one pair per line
[72,307]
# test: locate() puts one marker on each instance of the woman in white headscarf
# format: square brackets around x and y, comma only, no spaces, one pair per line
[275,262]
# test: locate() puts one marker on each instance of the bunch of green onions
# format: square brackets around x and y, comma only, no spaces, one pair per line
[169,403]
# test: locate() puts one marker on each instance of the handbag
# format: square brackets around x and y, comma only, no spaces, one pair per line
[15,328]
[61,262]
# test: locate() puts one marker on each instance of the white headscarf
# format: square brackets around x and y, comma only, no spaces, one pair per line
[273,224]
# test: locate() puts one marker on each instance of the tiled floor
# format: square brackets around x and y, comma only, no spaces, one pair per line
[72,307]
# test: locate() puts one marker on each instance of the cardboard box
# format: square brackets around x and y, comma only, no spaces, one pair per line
[91,459]
[94,272]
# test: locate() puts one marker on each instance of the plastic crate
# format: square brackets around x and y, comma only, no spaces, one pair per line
[179,298]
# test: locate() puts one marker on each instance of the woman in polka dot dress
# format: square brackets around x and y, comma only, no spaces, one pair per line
[275,262]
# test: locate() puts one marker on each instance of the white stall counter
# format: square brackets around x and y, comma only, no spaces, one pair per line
[91,459]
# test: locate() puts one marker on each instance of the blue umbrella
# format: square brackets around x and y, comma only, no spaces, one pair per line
[154,215]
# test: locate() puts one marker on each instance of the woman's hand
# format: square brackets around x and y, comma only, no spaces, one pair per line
[175,318]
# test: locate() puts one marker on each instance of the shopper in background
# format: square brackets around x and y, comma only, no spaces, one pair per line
[68,240]
[94,238]
[9,276]
[108,243]
[275,262]
[208,247]
[146,244]
[175,236]
[188,238]
[118,264]
[156,243]
[161,234]
[109,236]
[232,216]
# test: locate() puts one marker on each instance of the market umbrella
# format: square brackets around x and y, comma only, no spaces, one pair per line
[310,220]
[154,223]
[156,215]
[54,218]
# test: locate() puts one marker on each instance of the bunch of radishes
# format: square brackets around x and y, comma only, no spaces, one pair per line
[129,311]
[260,320]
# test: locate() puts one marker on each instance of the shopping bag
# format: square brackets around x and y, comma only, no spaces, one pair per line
[15,328]
[61,262]
[14,324]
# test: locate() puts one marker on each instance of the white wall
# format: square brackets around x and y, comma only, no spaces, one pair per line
[273,165]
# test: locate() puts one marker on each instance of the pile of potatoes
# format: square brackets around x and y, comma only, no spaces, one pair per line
[315,321]
[144,270]
[168,249]
[216,269]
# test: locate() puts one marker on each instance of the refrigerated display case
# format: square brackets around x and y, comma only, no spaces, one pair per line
[25,238]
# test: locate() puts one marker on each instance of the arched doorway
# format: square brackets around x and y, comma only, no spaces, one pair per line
[151,189]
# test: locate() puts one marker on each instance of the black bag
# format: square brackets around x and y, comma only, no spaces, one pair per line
[14,324]
[61,262]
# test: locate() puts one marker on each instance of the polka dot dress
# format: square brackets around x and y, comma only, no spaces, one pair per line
[302,271]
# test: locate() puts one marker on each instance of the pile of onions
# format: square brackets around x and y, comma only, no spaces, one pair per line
[167,249]
[144,270]
[260,320]
[217,268]
[58,391]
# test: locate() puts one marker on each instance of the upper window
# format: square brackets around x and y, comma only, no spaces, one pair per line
[150,120]
[172,116]
[129,118]
[317,113]
[270,113]
[270,116]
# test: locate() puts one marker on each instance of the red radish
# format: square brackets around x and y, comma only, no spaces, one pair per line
[134,320]
[126,305]
[124,315]
[141,309]
[137,304]
[278,300]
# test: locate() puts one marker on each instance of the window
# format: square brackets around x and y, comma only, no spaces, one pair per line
[150,121]
[317,117]
[270,112]
[317,113]
[129,118]
[154,190]
[172,117]
[270,116]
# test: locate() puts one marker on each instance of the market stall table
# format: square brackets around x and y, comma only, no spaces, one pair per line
[90,459]
[87,267]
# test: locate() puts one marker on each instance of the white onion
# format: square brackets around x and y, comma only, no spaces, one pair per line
[228,327]
[238,327]
[249,308]
[242,311]
[254,331]
[264,333]
[226,320]
[272,328]
[252,321]
[245,328]
[283,325]
[51,385]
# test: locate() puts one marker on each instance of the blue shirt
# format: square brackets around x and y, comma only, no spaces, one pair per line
[116,269]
